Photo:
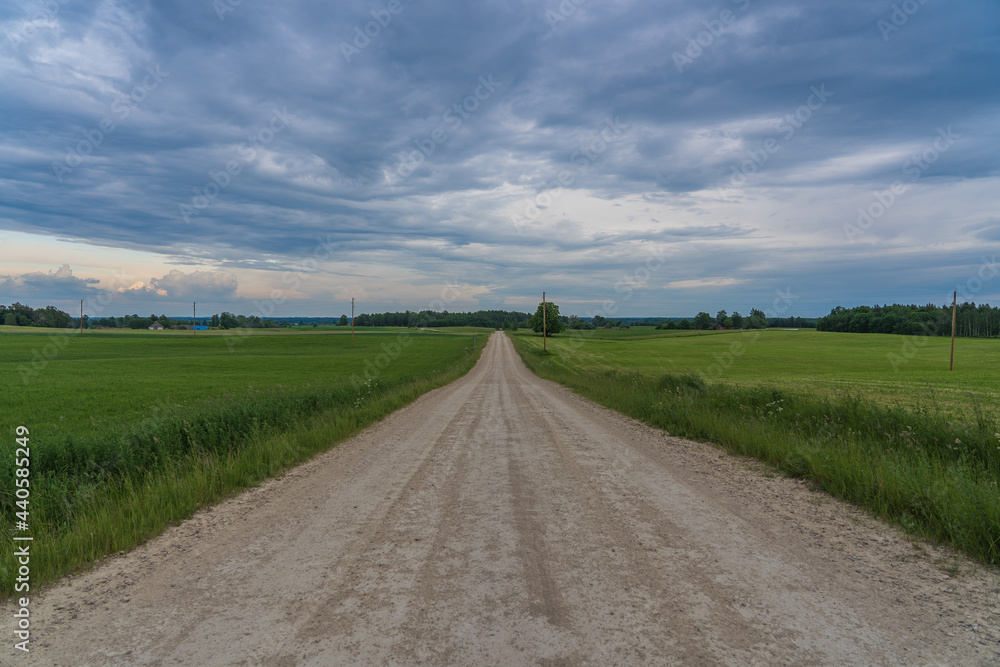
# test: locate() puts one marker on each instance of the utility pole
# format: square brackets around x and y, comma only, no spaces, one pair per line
[81,316]
[194,318]
[352,321]
[545,334]
[954,309]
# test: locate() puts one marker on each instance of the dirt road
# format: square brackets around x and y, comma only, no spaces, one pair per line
[503,520]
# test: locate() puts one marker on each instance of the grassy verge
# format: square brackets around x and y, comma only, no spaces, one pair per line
[924,469]
[108,492]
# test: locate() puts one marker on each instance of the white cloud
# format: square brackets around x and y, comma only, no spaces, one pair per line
[705,282]
[59,282]
[204,285]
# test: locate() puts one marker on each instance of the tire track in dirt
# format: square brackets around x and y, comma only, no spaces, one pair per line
[672,561]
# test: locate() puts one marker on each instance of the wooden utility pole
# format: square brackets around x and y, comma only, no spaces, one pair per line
[194,318]
[352,321]
[81,316]
[545,331]
[954,311]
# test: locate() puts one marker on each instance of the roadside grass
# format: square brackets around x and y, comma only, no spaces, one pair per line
[98,490]
[930,469]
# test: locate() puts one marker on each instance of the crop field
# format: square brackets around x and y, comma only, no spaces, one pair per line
[481,331]
[878,420]
[639,332]
[904,370]
[130,432]
[106,378]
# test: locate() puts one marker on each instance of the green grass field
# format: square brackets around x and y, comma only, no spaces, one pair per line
[638,332]
[130,432]
[885,368]
[104,378]
[875,419]
[480,331]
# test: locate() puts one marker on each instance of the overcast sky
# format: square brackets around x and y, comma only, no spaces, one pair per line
[628,157]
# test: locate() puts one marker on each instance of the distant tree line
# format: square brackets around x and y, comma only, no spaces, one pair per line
[224,320]
[20,315]
[792,322]
[495,319]
[230,321]
[723,320]
[134,321]
[972,321]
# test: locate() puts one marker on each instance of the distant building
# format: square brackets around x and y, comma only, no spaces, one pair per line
[156,326]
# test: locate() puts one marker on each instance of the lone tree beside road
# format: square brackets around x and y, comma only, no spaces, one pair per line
[553,324]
